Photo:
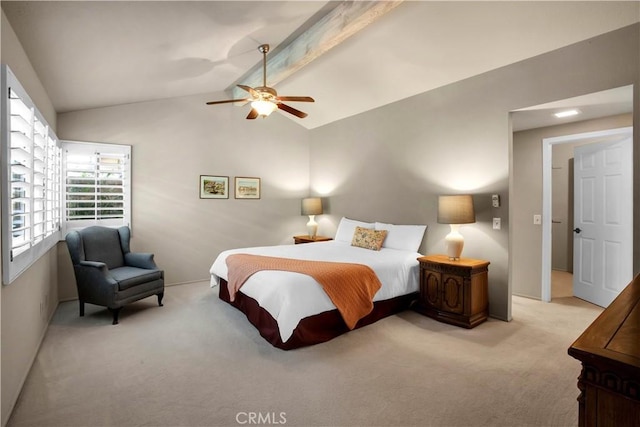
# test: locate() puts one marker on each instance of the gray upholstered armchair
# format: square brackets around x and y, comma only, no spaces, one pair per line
[108,273]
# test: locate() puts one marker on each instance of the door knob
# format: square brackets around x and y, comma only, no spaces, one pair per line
[577,230]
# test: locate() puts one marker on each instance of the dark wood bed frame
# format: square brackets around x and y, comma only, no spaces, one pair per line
[313,329]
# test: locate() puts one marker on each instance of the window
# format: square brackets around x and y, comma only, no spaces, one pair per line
[31,175]
[97,184]
[50,187]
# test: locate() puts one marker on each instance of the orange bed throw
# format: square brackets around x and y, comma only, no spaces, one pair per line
[351,287]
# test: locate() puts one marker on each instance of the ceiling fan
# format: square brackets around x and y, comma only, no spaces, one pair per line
[264,99]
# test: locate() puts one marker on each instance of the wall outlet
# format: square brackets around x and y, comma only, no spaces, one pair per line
[495,201]
[496,223]
[537,219]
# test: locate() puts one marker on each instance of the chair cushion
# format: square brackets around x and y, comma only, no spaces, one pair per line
[103,244]
[128,277]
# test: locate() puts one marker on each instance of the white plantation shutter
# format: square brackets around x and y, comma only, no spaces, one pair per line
[53,209]
[21,170]
[31,157]
[41,196]
[97,184]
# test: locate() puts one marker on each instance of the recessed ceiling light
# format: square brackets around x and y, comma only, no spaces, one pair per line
[567,113]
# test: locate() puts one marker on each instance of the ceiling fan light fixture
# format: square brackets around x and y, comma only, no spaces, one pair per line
[263,107]
[265,99]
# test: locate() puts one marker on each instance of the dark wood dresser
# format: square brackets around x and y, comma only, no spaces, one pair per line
[609,350]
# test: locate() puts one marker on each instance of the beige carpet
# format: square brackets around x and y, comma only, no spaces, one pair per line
[198,362]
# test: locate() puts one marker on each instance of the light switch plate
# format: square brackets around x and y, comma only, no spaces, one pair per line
[537,219]
[496,223]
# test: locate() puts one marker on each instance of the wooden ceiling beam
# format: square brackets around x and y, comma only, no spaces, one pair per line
[340,23]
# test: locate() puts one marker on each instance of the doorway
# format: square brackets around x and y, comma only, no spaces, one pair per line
[608,109]
[561,284]
[547,199]
[562,221]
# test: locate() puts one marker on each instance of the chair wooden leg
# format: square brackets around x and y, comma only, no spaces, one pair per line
[160,295]
[81,308]
[116,312]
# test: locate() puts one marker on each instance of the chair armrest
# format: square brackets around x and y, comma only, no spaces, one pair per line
[95,272]
[94,264]
[95,282]
[140,260]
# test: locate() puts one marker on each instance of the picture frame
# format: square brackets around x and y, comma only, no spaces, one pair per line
[214,187]
[247,187]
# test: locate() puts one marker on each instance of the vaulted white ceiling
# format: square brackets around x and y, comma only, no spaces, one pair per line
[92,54]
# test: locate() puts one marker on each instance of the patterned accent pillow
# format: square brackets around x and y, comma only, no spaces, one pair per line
[368,238]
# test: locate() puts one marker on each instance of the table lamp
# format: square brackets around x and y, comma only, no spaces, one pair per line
[455,210]
[312,206]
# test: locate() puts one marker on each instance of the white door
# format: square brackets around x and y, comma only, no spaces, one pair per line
[603,219]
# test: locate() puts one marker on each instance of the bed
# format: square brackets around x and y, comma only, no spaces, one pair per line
[291,310]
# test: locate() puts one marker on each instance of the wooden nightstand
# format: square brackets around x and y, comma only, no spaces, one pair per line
[308,239]
[455,292]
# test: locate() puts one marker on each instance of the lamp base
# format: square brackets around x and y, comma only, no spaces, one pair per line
[312,227]
[455,243]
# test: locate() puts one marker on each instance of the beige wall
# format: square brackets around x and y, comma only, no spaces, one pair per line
[173,143]
[14,56]
[390,164]
[526,249]
[29,302]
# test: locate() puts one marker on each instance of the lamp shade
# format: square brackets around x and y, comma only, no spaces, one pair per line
[312,206]
[457,209]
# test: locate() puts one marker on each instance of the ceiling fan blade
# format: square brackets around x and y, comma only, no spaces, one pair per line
[292,110]
[296,98]
[227,101]
[252,114]
[251,90]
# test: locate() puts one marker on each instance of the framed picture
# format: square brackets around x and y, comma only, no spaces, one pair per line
[214,187]
[247,188]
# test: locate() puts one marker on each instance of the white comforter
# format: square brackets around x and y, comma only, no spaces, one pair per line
[290,297]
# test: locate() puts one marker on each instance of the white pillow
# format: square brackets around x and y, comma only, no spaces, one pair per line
[402,237]
[347,228]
